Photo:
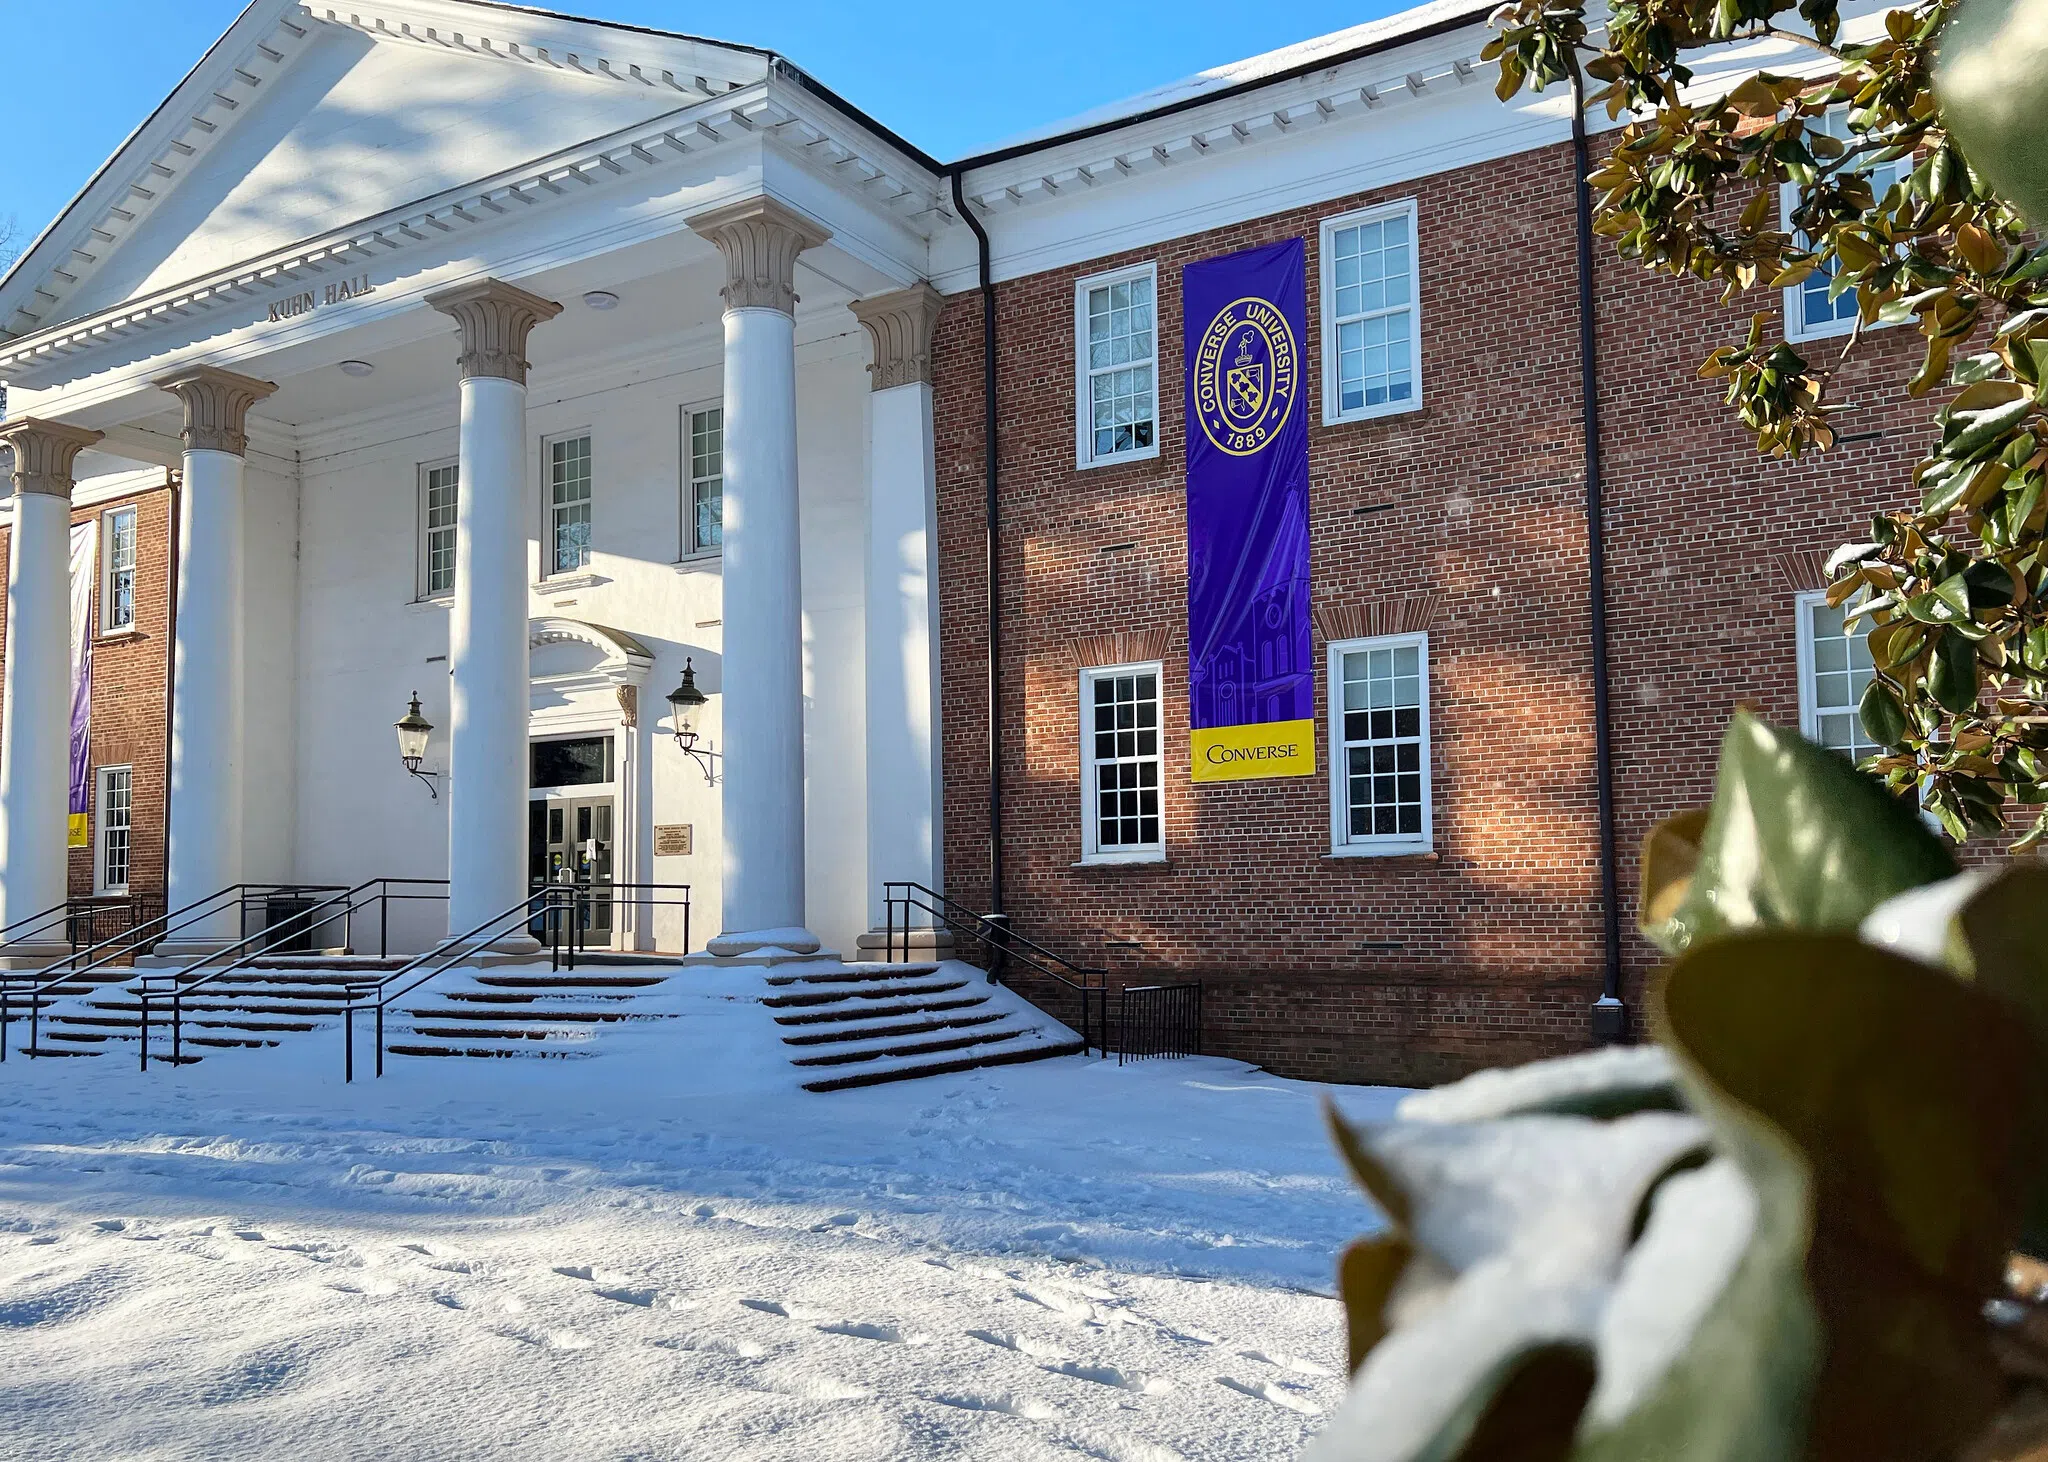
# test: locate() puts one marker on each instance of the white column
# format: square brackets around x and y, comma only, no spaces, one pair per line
[902,648]
[206,679]
[35,705]
[489,695]
[762,578]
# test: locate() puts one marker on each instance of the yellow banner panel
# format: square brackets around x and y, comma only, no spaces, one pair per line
[80,834]
[1249,753]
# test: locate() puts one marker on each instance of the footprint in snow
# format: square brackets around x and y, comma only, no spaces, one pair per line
[646,1299]
[1133,1381]
[1024,1406]
[787,1312]
[1278,1395]
[863,1330]
[1292,1363]
[837,1220]
[1022,1344]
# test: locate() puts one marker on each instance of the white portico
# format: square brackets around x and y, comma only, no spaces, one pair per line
[516,362]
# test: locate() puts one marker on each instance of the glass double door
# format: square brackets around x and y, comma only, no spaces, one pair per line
[569,840]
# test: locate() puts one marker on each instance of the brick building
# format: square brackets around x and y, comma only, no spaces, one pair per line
[1426,897]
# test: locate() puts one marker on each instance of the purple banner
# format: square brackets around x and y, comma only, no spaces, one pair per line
[1249,649]
[84,540]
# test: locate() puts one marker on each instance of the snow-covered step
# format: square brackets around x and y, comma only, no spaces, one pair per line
[499,1013]
[848,1025]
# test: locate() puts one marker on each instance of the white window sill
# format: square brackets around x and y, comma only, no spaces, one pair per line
[1150,454]
[1420,852]
[1375,413]
[1121,860]
[434,601]
[1796,334]
[567,582]
[126,632]
[697,563]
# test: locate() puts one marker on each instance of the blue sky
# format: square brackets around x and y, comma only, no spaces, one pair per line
[951,75]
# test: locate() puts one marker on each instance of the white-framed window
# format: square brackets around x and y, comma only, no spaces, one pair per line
[115,818]
[1379,746]
[1809,313]
[440,486]
[1116,366]
[567,462]
[1372,315]
[1834,669]
[703,480]
[117,570]
[1121,766]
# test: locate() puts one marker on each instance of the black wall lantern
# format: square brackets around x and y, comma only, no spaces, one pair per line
[683,704]
[413,730]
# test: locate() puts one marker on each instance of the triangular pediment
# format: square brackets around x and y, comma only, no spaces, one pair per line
[305,119]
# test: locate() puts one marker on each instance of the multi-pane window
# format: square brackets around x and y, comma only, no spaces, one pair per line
[1809,310]
[568,486]
[117,570]
[1370,283]
[1379,732]
[1117,340]
[116,813]
[704,495]
[1120,763]
[438,491]
[1834,669]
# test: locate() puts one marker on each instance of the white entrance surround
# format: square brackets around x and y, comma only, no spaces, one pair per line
[588,680]
[487,628]
[763,894]
[902,627]
[35,720]
[206,711]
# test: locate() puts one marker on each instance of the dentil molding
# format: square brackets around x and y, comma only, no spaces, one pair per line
[216,406]
[495,319]
[44,452]
[899,325]
[759,239]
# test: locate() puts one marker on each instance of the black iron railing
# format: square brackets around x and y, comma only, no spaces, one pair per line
[568,921]
[1159,1020]
[545,907]
[1003,945]
[125,943]
[290,929]
[94,920]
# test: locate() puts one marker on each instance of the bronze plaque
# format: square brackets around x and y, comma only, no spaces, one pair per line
[674,839]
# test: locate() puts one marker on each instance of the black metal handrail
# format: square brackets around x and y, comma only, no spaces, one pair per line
[253,949]
[51,978]
[584,898]
[376,996]
[1090,984]
[1159,1020]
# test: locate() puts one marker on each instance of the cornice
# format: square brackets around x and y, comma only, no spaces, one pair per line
[149,165]
[751,114]
[1229,125]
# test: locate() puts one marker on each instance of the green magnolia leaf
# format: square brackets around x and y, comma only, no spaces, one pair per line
[2003,947]
[1798,838]
[1884,719]
[1906,1094]
[1953,676]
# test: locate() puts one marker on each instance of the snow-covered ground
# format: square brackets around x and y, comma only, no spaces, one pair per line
[667,1251]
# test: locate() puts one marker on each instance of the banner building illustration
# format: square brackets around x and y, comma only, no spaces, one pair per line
[1251,685]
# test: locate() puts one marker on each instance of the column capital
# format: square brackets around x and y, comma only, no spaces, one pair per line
[899,325]
[216,406]
[760,240]
[495,318]
[44,452]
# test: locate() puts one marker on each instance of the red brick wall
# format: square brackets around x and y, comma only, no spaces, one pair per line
[130,679]
[1420,968]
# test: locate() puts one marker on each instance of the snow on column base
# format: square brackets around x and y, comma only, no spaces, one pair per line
[924,945]
[793,939]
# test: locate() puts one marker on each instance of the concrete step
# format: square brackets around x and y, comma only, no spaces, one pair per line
[857,975]
[526,1015]
[886,992]
[915,1069]
[909,1048]
[901,1028]
[838,1014]
[417,1048]
[568,981]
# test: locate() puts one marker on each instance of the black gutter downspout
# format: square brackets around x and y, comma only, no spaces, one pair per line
[995,601]
[1610,1016]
